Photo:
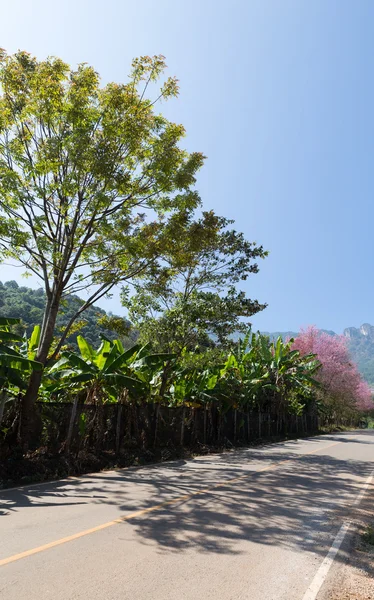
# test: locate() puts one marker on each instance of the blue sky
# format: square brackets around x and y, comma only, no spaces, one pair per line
[279,95]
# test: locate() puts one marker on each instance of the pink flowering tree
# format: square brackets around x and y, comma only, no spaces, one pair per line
[343,390]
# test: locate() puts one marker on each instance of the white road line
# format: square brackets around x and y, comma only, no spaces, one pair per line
[364,490]
[320,576]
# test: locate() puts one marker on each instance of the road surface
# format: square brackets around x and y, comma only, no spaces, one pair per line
[258,524]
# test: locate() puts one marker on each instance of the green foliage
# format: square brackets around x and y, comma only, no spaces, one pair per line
[108,373]
[192,298]
[260,373]
[16,360]
[368,535]
[93,182]
[269,375]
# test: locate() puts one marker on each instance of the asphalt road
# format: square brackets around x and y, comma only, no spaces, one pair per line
[252,524]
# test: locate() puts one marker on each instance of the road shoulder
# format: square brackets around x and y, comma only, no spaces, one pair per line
[353,577]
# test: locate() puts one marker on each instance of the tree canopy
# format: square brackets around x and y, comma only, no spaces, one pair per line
[92,179]
[194,298]
[80,168]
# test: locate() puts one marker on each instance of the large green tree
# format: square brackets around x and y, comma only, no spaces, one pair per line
[194,299]
[93,182]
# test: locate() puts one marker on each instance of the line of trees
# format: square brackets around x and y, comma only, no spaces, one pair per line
[96,192]
[255,375]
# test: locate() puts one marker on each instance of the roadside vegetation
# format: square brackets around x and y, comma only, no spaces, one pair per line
[368,536]
[97,192]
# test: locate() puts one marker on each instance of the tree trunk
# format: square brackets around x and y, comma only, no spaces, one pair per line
[259,424]
[235,424]
[71,423]
[30,422]
[205,415]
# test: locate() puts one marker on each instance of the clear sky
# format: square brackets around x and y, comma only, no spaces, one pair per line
[279,95]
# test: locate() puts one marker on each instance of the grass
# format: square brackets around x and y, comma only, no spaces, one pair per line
[368,536]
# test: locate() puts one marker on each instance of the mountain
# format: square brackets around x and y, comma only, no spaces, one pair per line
[290,334]
[361,346]
[28,304]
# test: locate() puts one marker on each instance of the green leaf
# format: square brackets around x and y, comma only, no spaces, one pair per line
[134,385]
[79,363]
[20,363]
[86,349]
[123,358]
[34,339]
[8,336]
[82,377]
[103,354]
[4,321]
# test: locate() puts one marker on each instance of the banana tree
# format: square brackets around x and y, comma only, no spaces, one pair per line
[15,364]
[245,379]
[101,373]
[194,386]
[106,372]
[109,374]
[98,374]
[271,371]
[292,374]
[268,375]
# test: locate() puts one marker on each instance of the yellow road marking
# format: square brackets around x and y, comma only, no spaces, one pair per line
[144,511]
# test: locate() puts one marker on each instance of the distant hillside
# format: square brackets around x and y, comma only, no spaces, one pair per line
[361,346]
[290,334]
[28,304]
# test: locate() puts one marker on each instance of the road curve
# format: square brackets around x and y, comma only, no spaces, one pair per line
[256,524]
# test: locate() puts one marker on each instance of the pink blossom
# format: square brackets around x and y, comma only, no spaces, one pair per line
[339,376]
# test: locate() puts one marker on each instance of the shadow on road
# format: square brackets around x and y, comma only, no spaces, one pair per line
[299,504]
